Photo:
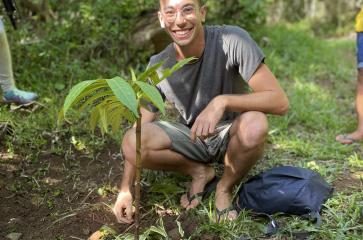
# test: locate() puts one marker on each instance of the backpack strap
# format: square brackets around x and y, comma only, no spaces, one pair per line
[314,217]
[272,227]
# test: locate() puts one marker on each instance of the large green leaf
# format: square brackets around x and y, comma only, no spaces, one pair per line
[79,92]
[115,114]
[167,72]
[116,105]
[103,120]
[154,76]
[94,116]
[74,94]
[89,91]
[152,95]
[145,75]
[128,115]
[181,63]
[124,93]
[109,112]
[115,117]
[99,96]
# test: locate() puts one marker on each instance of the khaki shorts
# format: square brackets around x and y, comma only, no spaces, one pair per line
[211,149]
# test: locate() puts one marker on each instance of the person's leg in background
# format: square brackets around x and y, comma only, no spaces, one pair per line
[359,105]
[7,83]
[357,134]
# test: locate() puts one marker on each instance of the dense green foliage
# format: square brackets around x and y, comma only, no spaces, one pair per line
[326,17]
[249,14]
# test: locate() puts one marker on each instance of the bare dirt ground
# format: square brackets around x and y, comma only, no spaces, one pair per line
[65,197]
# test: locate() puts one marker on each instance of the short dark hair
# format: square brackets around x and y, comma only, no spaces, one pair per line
[201,2]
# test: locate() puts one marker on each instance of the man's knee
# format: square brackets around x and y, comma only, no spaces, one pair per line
[129,146]
[252,129]
[150,132]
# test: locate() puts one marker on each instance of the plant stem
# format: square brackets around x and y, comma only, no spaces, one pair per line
[138,175]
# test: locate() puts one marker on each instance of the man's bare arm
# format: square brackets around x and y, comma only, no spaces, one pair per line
[123,205]
[267,97]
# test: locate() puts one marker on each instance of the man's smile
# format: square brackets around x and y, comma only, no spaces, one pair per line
[183,33]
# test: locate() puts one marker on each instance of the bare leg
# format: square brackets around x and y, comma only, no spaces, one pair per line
[247,138]
[359,106]
[358,133]
[157,155]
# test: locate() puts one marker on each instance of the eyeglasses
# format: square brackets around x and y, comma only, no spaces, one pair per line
[187,12]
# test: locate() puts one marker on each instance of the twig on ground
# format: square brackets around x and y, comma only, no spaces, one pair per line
[110,173]
[77,238]
[84,199]
[61,219]
[36,182]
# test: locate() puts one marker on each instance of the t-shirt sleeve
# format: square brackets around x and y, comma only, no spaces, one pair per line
[242,51]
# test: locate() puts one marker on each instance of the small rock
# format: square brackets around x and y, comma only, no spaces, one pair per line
[14,236]
[86,231]
[15,221]
[51,181]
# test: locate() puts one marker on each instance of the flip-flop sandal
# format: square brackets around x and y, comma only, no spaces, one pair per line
[223,214]
[208,189]
[345,137]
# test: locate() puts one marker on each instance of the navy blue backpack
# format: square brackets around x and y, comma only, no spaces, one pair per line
[285,189]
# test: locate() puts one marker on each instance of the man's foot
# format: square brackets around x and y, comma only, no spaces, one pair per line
[349,138]
[19,96]
[224,206]
[203,178]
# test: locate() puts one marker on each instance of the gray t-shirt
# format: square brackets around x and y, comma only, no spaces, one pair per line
[229,60]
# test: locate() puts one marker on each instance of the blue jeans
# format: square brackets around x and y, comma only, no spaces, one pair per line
[360,50]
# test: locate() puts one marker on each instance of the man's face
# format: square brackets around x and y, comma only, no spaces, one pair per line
[182,19]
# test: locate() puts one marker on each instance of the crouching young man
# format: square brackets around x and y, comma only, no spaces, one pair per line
[222,98]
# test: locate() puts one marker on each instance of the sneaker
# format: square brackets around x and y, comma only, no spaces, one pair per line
[19,96]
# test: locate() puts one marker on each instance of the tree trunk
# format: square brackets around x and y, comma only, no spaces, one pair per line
[42,9]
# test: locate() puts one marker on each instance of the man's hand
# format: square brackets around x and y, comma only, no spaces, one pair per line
[123,209]
[206,122]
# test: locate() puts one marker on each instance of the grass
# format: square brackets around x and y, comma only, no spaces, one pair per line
[318,76]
